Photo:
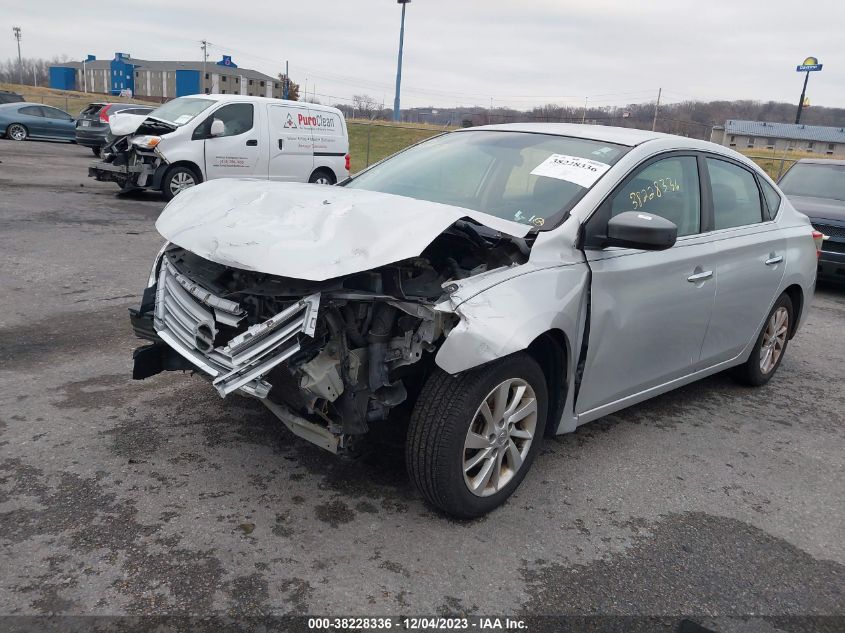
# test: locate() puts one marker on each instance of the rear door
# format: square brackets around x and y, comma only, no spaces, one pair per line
[238,153]
[649,310]
[291,143]
[330,142]
[751,259]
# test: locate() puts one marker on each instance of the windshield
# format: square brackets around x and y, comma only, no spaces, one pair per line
[529,178]
[180,111]
[815,180]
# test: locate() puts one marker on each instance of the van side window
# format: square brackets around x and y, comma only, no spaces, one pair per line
[736,198]
[237,119]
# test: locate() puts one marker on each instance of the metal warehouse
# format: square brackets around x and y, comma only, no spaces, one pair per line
[814,139]
[162,80]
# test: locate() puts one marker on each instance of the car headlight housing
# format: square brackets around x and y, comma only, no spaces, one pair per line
[146,141]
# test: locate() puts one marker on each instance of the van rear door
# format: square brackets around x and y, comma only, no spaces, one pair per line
[291,144]
[330,141]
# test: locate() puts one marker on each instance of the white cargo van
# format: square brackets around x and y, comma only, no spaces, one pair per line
[196,138]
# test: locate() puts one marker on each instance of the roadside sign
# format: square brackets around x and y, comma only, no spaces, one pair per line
[810,64]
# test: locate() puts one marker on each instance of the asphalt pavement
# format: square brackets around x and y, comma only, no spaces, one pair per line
[159,497]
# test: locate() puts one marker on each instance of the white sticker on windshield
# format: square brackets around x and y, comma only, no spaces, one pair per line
[581,171]
[183,119]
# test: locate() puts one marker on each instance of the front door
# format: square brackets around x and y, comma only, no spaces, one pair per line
[237,153]
[649,310]
[291,143]
[751,260]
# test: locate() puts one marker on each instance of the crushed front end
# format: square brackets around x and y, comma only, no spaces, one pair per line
[328,358]
[133,161]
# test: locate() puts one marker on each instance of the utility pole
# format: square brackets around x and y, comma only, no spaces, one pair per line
[287,80]
[584,116]
[656,106]
[17,32]
[204,47]
[396,107]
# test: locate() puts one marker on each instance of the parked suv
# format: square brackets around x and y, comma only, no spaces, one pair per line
[92,125]
[816,187]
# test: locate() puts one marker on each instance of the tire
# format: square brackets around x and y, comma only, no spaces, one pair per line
[437,451]
[322,177]
[770,347]
[96,151]
[177,179]
[17,132]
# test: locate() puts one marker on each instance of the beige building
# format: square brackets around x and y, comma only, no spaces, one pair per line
[785,137]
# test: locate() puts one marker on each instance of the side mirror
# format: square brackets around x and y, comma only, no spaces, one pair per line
[217,128]
[638,229]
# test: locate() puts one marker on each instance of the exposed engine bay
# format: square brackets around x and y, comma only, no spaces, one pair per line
[329,358]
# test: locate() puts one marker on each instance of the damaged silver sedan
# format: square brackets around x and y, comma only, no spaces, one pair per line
[478,291]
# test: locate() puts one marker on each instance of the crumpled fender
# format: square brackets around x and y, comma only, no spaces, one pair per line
[506,317]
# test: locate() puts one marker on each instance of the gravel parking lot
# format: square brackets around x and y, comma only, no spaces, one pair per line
[124,497]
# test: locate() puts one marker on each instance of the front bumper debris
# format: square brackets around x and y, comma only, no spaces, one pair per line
[186,317]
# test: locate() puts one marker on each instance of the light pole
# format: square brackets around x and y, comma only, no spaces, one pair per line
[399,65]
[17,32]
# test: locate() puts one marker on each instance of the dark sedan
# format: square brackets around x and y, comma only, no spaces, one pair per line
[816,188]
[92,125]
[20,121]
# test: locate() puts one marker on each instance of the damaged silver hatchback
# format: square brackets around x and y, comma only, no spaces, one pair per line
[478,291]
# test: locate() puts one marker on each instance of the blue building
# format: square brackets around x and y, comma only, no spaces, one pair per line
[162,80]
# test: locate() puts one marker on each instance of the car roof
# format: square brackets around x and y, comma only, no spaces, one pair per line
[243,98]
[617,135]
[821,161]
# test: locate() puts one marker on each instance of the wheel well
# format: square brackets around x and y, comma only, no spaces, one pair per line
[325,170]
[551,351]
[23,125]
[186,163]
[796,295]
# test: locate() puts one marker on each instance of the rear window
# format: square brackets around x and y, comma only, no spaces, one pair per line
[92,110]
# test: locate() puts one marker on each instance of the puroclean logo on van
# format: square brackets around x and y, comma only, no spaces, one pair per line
[315,120]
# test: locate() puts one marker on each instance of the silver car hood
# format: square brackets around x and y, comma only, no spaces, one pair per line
[304,231]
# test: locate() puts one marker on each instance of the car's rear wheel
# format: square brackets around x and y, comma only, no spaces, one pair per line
[17,132]
[322,177]
[177,179]
[770,346]
[96,151]
[473,437]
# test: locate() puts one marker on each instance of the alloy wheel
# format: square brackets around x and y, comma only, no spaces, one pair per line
[774,340]
[322,180]
[499,437]
[180,181]
[17,132]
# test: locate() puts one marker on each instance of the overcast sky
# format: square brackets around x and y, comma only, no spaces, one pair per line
[519,53]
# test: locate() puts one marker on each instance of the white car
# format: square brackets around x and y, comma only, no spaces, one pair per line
[202,137]
[484,288]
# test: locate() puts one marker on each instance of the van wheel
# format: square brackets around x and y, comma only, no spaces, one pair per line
[177,179]
[770,346]
[322,177]
[17,132]
[472,437]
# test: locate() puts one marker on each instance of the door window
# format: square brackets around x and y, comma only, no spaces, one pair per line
[237,119]
[668,188]
[736,198]
[53,113]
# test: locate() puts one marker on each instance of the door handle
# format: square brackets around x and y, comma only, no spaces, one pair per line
[706,274]
[252,142]
[774,260]
[281,144]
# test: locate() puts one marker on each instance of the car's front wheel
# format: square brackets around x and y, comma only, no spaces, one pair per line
[17,132]
[770,346]
[177,179]
[473,437]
